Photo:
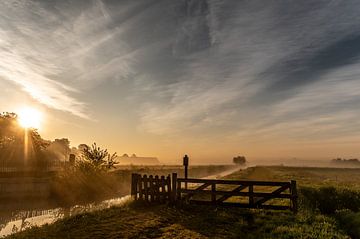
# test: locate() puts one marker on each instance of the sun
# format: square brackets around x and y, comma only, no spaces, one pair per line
[29,118]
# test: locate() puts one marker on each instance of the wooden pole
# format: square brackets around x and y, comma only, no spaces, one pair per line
[294,196]
[186,164]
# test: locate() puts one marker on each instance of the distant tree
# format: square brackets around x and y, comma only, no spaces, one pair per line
[354,161]
[239,160]
[125,155]
[133,155]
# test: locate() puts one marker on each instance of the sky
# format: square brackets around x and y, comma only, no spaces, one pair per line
[209,78]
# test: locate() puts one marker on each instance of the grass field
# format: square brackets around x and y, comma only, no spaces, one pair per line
[139,221]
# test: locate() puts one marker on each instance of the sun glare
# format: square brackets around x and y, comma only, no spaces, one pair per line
[29,118]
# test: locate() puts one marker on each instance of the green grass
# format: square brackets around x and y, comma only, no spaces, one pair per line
[162,221]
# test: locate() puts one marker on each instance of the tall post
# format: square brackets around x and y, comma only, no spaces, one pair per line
[186,164]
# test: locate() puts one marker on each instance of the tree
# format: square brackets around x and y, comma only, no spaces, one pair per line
[98,158]
[241,160]
[14,140]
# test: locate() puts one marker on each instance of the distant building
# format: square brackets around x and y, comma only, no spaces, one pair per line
[135,160]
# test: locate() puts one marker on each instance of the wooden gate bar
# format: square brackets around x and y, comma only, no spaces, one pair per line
[238,189]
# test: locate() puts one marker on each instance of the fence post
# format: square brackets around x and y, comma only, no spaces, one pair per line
[294,196]
[173,182]
[134,186]
[251,195]
[213,193]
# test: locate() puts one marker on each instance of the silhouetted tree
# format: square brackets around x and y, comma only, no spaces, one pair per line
[239,160]
[12,142]
[98,158]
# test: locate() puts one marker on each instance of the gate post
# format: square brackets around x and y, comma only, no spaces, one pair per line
[294,196]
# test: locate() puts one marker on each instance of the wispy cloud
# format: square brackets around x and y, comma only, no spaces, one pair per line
[52,54]
[245,69]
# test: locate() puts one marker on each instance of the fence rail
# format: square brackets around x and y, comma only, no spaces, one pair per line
[254,194]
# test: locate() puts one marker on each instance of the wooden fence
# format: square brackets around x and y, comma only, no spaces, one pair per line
[245,194]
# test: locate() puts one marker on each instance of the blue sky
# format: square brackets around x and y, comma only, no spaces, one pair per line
[209,78]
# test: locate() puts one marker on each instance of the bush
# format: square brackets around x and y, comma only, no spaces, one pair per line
[329,199]
[82,184]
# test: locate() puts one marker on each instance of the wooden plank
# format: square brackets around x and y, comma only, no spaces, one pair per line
[140,187]
[151,188]
[168,183]
[146,187]
[163,192]
[238,189]
[233,182]
[157,188]
[174,188]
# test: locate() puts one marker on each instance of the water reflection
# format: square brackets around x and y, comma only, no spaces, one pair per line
[21,220]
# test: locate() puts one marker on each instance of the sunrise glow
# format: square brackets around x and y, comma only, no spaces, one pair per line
[29,118]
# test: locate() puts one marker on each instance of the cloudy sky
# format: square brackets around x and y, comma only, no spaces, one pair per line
[213,78]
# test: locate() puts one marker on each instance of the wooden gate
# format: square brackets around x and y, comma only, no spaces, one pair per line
[151,188]
[246,194]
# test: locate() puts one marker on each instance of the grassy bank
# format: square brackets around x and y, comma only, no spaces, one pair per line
[317,219]
[189,222]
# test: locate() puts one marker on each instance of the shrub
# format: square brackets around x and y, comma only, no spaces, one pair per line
[329,199]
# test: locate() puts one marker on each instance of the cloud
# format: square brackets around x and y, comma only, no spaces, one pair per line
[52,55]
[244,68]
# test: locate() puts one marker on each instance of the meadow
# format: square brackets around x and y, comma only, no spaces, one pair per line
[329,208]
